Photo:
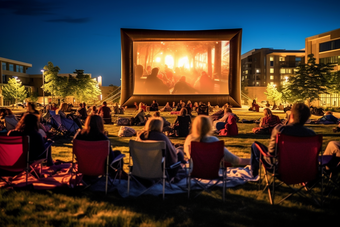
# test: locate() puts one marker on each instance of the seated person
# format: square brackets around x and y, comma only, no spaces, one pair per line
[298,117]
[165,122]
[182,123]
[201,130]
[202,109]
[167,107]
[29,126]
[188,106]
[267,123]
[31,109]
[179,105]
[154,106]
[328,118]
[230,126]
[94,110]
[8,120]
[195,107]
[219,124]
[62,109]
[81,112]
[139,118]
[105,112]
[116,109]
[333,148]
[93,130]
[153,131]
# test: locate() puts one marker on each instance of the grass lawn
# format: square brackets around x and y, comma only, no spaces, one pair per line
[244,206]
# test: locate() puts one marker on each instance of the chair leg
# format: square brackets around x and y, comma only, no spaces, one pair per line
[189,184]
[163,188]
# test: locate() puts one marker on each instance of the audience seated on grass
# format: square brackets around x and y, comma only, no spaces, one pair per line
[267,123]
[188,106]
[94,110]
[298,117]
[230,126]
[201,131]
[182,124]
[29,126]
[165,122]
[93,130]
[220,123]
[31,108]
[81,111]
[153,131]
[105,112]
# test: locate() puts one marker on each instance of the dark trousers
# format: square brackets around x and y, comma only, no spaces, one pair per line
[255,158]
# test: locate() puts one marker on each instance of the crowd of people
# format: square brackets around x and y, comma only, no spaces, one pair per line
[202,128]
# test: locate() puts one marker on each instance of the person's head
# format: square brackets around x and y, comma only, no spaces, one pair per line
[29,122]
[180,101]
[135,103]
[140,106]
[94,124]
[182,79]
[189,102]
[227,110]
[157,114]
[183,112]
[104,103]
[3,112]
[94,108]
[63,107]
[84,105]
[154,72]
[167,104]
[30,106]
[201,127]
[299,113]
[154,124]
[80,105]
[328,113]
[153,101]
[267,112]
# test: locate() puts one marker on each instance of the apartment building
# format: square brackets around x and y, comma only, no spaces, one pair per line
[326,49]
[12,68]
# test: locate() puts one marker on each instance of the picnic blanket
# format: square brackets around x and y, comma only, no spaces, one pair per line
[51,177]
[235,177]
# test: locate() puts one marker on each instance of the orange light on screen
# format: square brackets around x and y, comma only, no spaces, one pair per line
[169,61]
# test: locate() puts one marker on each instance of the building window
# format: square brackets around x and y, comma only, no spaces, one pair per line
[257,83]
[288,70]
[331,45]
[246,72]
[271,70]
[4,66]
[281,59]
[271,59]
[4,79]
[282,71]
[11,67]
[297,59]
[271,77]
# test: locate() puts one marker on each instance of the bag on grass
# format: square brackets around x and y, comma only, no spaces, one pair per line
[123,121]
[125,131]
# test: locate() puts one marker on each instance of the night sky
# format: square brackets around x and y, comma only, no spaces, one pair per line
[84,34]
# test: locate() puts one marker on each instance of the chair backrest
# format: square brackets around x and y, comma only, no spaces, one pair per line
[147,157]
[206,159]
[91,156]
[14,152]
[297,158]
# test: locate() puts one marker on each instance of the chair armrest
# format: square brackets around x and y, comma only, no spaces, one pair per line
[175,165]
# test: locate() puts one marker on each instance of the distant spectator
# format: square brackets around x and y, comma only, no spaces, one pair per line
[81,112]
[154,106]
[268,122]
[182,123]
[105,112]
[94,110]
[328,118]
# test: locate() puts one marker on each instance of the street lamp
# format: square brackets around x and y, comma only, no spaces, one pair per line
[43,82]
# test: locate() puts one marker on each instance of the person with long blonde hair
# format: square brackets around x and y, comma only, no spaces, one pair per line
[153,131]
[201,130]
[62,109]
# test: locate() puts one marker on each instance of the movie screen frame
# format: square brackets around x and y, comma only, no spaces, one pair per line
[129,39]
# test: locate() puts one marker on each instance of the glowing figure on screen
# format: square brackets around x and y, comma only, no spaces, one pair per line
[169,61]
[153,85]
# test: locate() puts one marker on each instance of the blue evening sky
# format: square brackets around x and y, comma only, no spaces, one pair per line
[85,34]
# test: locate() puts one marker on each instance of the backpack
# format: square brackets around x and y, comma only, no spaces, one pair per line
[125,131]
[123,121]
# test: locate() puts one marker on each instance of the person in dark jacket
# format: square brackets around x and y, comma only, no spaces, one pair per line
[182,123]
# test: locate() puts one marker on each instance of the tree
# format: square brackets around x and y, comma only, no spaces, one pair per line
[14,90]
[84,87]
[273,94]
[310,81]
[54,84]
[33,97]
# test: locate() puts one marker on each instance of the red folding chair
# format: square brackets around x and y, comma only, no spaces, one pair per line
[207,163]
[92,159]
[14,156]
[297,164]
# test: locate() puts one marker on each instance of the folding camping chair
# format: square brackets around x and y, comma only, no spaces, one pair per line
[92,159]
[148,162]
[330,165]
[297,163]
[64,126]
[14,156]
[207,162]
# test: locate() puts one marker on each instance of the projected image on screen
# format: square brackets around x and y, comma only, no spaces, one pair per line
[181,67]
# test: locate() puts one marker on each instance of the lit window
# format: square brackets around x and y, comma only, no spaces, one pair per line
[281,59]
[282,71]
[246,71]
[271,83]
[271,77]
[271,58]
[271,70]
[288,70]
[257,83]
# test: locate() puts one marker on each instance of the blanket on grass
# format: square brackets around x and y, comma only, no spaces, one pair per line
[235,177]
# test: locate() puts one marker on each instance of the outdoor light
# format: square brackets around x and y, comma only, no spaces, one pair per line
[286,77]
